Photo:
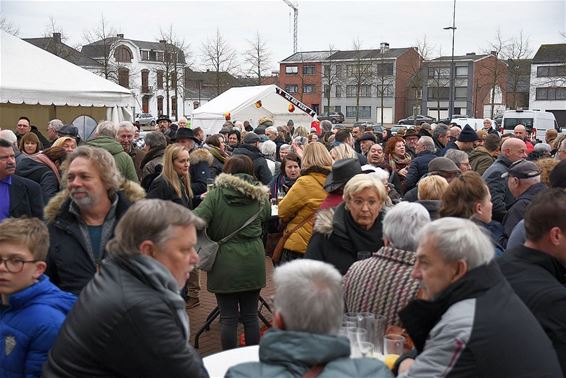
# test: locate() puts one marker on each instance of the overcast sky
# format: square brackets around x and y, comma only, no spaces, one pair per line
[321,23]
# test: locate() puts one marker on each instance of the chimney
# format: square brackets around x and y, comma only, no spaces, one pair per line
[121,36]
[162,41]
[471,53]
[384,47]
[493,52]
[57,37]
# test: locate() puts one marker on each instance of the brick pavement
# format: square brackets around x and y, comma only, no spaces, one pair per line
[209,341]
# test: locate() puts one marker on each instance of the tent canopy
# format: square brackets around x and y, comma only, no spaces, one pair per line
[30,75]
[241,104]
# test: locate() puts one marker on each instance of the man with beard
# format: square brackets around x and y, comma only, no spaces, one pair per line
[18,196]
[125,136]
[81,219]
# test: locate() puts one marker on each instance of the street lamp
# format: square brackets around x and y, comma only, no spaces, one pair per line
[452,88]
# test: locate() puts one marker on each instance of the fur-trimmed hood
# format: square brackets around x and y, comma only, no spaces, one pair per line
[133,191]
[243,184]
[199,155]
[323,223]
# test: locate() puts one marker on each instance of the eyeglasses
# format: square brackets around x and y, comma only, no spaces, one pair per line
[15,264]
[360,203]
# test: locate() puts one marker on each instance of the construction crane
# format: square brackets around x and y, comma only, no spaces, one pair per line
[295,7]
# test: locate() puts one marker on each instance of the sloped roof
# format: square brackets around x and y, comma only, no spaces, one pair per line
[368,54]
[555,53]
[96,49]
[63,51]
[472,57]
[307,56]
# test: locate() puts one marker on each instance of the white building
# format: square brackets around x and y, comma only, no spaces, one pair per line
[548,81]
[153,71]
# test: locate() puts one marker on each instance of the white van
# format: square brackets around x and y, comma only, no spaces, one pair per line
[475,123]
[536,121]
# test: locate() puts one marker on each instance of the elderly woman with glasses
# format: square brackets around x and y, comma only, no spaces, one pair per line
[354,228]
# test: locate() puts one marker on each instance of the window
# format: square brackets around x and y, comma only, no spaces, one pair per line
[461,93]
[160,79]
[365,90]
[550,71]
[338,91]
[363,112]
[160,55]
[160,105]
[435,72]
[384,69]
[152,56]
[356,69]
[327,70]
[145,55]
[291,70]
[339,71]
[174,106]
[145,104]
[462,71]
[124,77]
[326,90]
[145,81]
[442,93]
[86,126]
[123,54]
[308,88]
[173,80]
[551,94]
[292,88]
[308,70]
[386,90]
[338,109]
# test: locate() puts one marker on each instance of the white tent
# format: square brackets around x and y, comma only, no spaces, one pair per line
[241,104]
[30,75]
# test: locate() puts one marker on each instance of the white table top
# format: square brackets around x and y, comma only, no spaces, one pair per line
[219,363]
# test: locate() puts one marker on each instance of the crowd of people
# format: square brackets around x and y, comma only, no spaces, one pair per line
[455,236]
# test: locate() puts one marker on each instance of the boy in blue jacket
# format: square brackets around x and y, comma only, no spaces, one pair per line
[32,308]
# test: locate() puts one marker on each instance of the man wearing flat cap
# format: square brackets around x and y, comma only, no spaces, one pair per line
[366,141]
[250,148]
[523,181]
[439,166]
[411,138]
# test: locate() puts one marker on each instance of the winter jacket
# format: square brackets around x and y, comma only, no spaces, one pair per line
[124,162]
[151,160]
[261,170]
[285,354]
[71,263]
[501,197]
[41,174]
[418,168]
[432,206]
[337,238]
[200,161]
[26,199]
[161,189]
[540,281]
[129,321]
[240,262]
[480,159]
[381,284]
[518,208]
[478,327]
[302,201]
[29,325]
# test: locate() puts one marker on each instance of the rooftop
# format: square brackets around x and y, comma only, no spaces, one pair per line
[97,49]
[307,56]
[555,53]
[56,47]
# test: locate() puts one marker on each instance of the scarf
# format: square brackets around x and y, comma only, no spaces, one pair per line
[41,158]
[155,275]
[398,163]
[360,239]
[217,153]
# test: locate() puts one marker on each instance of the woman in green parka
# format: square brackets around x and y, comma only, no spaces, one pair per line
[238,273]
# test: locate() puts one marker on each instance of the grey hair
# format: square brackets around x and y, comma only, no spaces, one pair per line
[9,136]
[155,139]
[427,143]
[441,129]
[456,156]
[326,126]
[126,125]
[308,295]
[542,147]
[271,128]
[269,148]
[56,124]
[102,161]
[380,174]
[402,223]
[284,147]
[106,128]
[150,219]
[459,239]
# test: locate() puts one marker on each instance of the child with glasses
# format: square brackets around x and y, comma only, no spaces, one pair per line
[32,309]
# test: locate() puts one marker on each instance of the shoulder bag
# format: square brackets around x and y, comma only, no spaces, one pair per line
[207,249]
[281,243]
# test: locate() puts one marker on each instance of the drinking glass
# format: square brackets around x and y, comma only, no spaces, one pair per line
[393,347]
[356,336]
[366,348]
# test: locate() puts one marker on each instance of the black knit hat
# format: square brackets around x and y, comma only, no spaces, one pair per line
[468,134]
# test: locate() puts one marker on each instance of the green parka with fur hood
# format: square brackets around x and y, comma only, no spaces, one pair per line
[240,263]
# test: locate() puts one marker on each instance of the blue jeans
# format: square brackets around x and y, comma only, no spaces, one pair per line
[233,307]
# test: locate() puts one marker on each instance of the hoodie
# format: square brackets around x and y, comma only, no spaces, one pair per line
[124,162]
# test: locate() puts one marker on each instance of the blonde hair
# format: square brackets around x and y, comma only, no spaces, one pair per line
[60,142]
[301,131]
[361,182]
[170,175]
[316,155]
[29,232]
[432,187]
[546,166]
[343,151]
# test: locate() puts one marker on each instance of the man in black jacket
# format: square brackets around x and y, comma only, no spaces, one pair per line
[250,148]
[130,320]
[536,270]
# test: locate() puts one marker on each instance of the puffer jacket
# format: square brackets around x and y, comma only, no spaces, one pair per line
[124,162]
[240,262]
[200,161]
[70,260]
[302,201]
[29,326]
[291,354]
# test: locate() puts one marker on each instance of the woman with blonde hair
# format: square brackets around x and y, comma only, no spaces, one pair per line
[343,151]
[174,182]
[67,142]
[430,191]
[298,207]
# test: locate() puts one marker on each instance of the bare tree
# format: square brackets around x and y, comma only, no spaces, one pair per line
[258,57]
[8,26]
[329,76]
[494,67]
[516,52]
[360,74]
[173,66]
[52,27]
[220,57]
[105,38]
[384,80]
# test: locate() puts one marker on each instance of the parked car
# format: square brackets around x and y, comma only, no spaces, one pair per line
[334,117]
[145,119]
[395,129]
[364,125]
[420,119]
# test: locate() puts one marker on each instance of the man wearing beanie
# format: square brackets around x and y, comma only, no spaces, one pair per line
[250,148]
[465,141]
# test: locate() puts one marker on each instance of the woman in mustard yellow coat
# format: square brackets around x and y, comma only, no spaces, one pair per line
[303,200]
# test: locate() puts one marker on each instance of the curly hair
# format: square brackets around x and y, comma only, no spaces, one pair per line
[390,145]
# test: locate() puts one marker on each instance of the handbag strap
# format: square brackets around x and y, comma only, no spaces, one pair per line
[301,224]
[226,238]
